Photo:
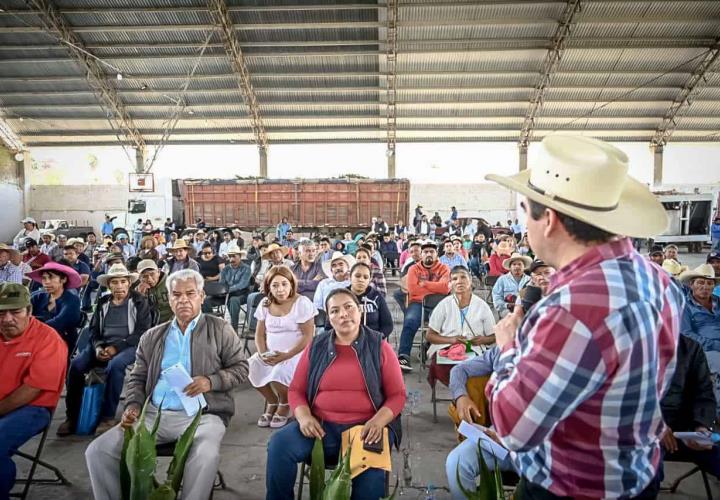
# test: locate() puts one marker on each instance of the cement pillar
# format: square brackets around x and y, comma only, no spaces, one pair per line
[12,194]
[391,164]
[522,157]
[263,162]
[139,161]
[657,165]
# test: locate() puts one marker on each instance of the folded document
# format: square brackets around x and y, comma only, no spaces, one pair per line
[178,378]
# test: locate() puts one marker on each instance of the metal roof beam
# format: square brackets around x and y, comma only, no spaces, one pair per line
[684,99]
[10,138]
[552,57]
[219,12]
[391,52]
[95,75]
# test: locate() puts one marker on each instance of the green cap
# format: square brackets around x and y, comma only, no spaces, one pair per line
[13,296]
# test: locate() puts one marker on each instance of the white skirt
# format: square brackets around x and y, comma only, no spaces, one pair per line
[261,374]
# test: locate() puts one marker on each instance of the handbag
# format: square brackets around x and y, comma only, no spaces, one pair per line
[91,402]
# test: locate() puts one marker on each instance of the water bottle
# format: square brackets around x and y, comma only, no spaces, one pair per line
[429,492]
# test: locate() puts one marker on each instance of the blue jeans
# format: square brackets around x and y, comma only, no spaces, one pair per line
[16,428]
[114,378]
[288,447]
[463,461]
[233,307]
[411,324]
[400,298]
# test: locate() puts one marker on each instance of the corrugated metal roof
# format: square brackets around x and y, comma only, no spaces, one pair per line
[465,70]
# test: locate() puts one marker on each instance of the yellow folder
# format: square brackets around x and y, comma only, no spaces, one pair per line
[361,459]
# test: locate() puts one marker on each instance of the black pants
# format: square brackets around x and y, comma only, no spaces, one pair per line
[530,491]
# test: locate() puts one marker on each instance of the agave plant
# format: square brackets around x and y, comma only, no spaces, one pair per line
[139,458]
[491,484]
[339,485]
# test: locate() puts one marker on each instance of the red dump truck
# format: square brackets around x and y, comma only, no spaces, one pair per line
[311,205]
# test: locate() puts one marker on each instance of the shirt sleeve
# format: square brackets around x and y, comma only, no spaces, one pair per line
[474,367]
[297,392]
[439,316]
[47,370]
[555,364]
[687,328]
[304,310]
[392,380]
[386,319]
[261,312]
[318,297]
[68,315]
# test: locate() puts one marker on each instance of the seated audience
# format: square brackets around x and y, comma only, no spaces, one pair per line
[338,270]
[285,326]
[450,258]
[211,352]
[373,309]
[71,255]
[151,285]
[48,244]
[226,242]
[507,288]
[58,250]
[308,271]
[671,252]
[656,255]
[147,249]
[346,377]
[33,360]
[503,250]
[117,324]
[9,272]
[427,277]
[179,258]
[274,255]
[33,257]
[29,230]
[389,251]
[540,274]
[236,278]
[459,318]
[54,304]
[364,255]
[79,245]
[128,250]
[689,406]
[479,255]
[713,259]
[210,264]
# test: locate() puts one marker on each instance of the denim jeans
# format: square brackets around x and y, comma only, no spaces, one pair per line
[288,447]
[233,307]
[411,324]
[114,378]
[16,428]
[400,298]
[463,461]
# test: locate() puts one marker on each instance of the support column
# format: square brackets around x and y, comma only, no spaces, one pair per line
[263,162]
[139,160]
[391,164]
[657,165]
[523,157]
[12,193]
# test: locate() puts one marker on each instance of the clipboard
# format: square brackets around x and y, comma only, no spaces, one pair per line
[361,459]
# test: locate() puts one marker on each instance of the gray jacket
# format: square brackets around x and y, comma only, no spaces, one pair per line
[216,353]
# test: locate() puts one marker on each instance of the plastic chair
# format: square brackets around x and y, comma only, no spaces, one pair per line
[247,330]
[167,450]
[36,461]
[676,484]
[489,283]
[428,305]
[217,297]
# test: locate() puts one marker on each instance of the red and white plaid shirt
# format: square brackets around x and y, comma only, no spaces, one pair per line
[577,397]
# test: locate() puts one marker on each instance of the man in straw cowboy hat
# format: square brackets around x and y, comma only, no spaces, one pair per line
[508,286]
[180,259]
[236,277]
[273,255]
[337,268]
[8,271]
[119,320]
[566,398]
[701,317]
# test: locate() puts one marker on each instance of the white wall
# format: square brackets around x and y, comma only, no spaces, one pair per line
[11,196]
[494,202]
[81,205]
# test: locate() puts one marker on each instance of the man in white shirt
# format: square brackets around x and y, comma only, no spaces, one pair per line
[338,268]
[29,230]
[227,241]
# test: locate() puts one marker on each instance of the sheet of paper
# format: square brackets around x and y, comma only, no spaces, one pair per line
[178,378]
[475,432]
[699,437]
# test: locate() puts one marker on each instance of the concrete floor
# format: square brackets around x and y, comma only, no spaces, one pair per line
[425,444]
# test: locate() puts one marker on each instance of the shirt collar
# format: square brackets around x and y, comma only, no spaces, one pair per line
[190,327]
[611,250]
[715,301]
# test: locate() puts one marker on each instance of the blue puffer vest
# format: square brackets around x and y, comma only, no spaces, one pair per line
[368,348]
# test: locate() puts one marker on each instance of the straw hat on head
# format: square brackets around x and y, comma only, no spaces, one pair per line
[503,248]
[49,235]
[272,247]
[673,267]
[234,250]
[588,180]
[117,271]
[515,257]
[180,244]
[702,271]
[327,264]
[73,241]
[13,253]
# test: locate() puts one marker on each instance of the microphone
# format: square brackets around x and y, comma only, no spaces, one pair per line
[532,296]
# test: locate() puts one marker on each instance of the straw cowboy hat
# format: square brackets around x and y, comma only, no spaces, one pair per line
[49,235]
[117,271]
[503,248]
[588,180]
[272,247]
[515,257]
[73,278]
[13,253]
[235,250]
[180,244]
[327,264]
[702,271]
[673,267]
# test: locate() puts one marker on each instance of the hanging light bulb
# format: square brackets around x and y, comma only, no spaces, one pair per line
[119,76]
[19,156]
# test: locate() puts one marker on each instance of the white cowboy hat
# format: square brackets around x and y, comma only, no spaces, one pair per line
[702,271]
[327,264]
[116,271]
[272,247]
[516,256]
[49,235]
[587,179]
[234,250]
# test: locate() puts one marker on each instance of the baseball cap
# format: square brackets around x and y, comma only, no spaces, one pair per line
[146,264]
[713,255]
[27,220]
[656,249]
[536,264]
[13,296]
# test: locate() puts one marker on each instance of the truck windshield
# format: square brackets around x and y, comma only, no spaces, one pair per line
[136,206]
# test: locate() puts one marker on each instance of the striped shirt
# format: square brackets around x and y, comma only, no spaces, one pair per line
[577,396]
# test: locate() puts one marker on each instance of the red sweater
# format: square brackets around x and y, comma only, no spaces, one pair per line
[342,396]
[496,264]
[422,281]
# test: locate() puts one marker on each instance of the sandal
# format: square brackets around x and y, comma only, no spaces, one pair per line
[278,421]
[265,418]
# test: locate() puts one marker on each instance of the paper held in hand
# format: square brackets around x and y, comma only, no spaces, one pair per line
[701,438]
[178,378]
[474,432]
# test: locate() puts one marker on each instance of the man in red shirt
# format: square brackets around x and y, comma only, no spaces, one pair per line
[427,277]
[33,256]
[33,361]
